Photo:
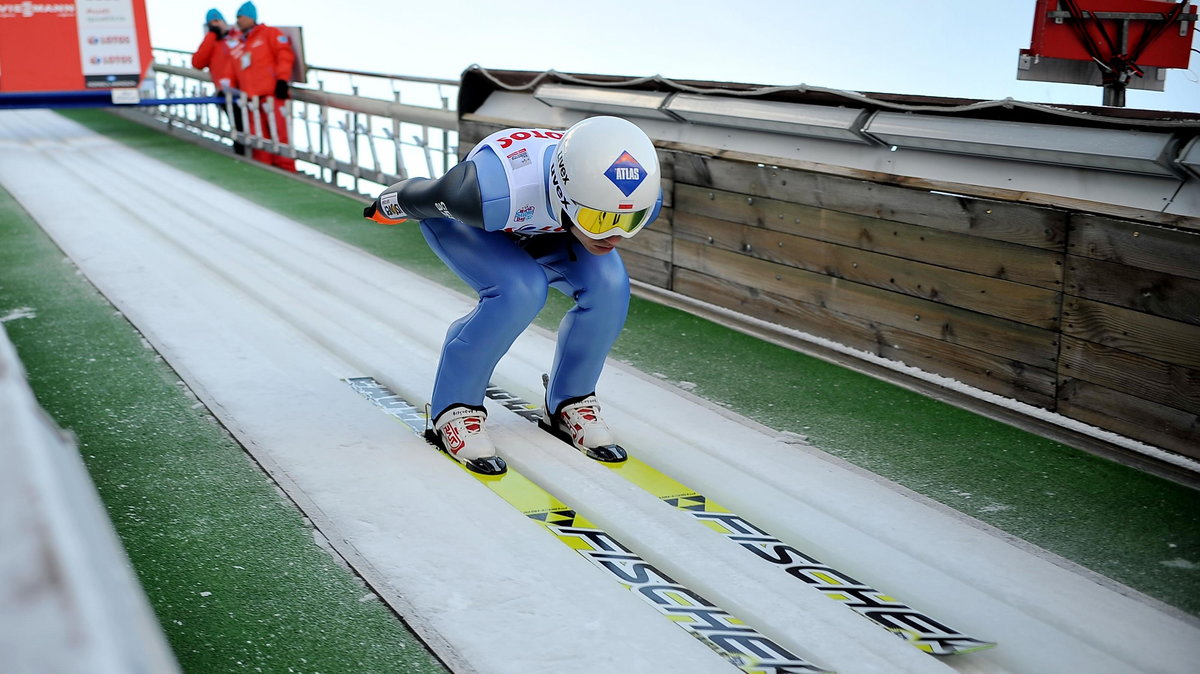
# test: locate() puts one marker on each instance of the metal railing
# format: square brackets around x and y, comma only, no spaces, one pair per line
[345,127]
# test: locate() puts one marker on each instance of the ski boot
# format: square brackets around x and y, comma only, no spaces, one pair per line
[577,422]
[458,431]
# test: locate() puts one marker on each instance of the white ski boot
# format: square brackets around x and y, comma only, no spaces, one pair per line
[459,432]
[577,421]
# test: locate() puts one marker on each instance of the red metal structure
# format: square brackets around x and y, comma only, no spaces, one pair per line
[1112,43]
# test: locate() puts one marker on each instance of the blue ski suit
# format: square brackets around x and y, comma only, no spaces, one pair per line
[491,220]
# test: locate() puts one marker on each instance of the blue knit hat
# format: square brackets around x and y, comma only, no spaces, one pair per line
[248,10]
[213,15]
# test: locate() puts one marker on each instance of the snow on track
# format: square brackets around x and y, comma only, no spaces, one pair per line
[263,317]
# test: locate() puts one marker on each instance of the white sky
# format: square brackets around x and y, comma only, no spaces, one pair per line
[926,47]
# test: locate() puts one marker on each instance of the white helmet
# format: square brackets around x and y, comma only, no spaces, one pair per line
[605,178]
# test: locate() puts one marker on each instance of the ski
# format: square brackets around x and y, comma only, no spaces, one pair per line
[738,643]
[918,629]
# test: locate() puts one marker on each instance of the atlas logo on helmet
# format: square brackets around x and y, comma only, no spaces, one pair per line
[626,173]
[604,197]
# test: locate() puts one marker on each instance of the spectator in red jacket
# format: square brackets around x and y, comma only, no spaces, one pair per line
[216,54]
[263,66]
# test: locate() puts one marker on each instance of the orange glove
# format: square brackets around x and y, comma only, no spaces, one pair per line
[376,213]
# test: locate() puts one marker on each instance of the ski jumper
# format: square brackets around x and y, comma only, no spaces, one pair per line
[490,219]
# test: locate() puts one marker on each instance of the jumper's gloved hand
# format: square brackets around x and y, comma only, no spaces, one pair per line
[385,210]
[281,89]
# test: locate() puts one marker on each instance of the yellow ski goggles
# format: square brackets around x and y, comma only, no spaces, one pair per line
[603,224]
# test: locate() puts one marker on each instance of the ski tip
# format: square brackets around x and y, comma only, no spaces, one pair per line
[607,453]
[973,647]
[943,647]
[488,465]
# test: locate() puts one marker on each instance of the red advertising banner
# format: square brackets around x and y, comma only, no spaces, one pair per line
[72,46]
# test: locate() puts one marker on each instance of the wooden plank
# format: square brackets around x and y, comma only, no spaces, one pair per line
[647,269]
[987,257]
[1027,304]
[982,370]
[1016,223]
[1150,292]
[650,242]
[1133,417]
[1135,244]
[1162,339]
[941,186]
[1163,383]
[1004,338]
[666,164]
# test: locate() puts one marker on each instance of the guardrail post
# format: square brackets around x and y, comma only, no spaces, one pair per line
[395,135]
[445,138]
[374,153]
[272,126]
[423,142]
[233,132]
[256,137]
[354,151]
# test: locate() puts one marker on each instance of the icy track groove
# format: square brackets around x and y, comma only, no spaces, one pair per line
[263,317]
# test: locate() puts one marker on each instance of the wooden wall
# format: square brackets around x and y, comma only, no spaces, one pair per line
[1130,360]
[1093,317]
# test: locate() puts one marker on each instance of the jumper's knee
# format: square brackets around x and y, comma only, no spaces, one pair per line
[518,298]
[608,289]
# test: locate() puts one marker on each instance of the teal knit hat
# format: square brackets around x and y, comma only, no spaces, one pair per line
[213,15]
[248,10]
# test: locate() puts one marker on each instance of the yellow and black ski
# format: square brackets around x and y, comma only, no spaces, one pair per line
[920,630]
[742,645]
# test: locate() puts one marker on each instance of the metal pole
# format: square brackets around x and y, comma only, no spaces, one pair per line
[229,115]
[1114,91]
[445,139]
[354,142]
[374,153]
[423,141]
[400,171]
[326,140]
[287,126]
[247,107]
[308,131]
[271,125]
[352,138]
